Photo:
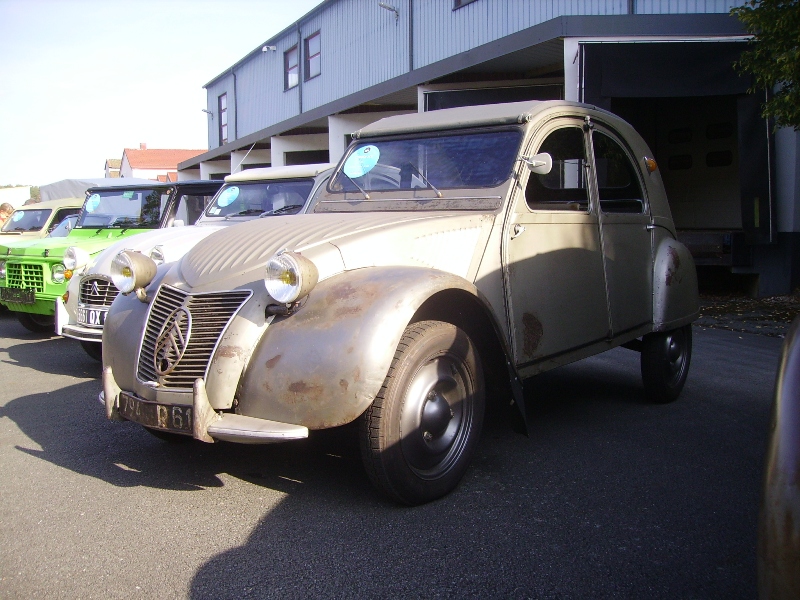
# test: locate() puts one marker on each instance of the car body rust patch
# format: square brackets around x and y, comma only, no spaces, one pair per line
[532,334]
[230,352]
[270,364]
[673,270]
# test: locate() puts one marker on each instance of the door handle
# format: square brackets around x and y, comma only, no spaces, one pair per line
[650,227]
[518,229]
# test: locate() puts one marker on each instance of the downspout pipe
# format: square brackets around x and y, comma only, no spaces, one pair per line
[235,107]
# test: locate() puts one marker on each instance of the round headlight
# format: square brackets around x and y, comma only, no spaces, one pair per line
[157,254]
[75,258]
[131,270]
[2,269]
[290,276]
[57,273]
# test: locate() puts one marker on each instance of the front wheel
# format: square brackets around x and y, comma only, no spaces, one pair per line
[37,323]
[665,363]
[93,349]
[419,434]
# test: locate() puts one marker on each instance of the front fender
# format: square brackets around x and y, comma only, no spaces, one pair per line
[323,366]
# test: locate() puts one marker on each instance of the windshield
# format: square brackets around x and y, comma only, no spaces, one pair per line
[124,209]
[260,198]
[27,220]
[442,162]
[67,225]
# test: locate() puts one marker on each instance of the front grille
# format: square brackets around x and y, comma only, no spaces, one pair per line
[210,315]
[22,276]
[97,292]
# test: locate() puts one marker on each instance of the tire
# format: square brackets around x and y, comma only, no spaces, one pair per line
[419,435]
[93,349]
[37,323]
[665,363]
[169,437]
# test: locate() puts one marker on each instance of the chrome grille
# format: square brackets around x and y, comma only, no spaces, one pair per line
[22,276]
[210,314]
[97,291]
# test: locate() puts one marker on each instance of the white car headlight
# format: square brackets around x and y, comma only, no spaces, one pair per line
[157,255]
[57,273]
[75,258]
[2,269]
[131,270]
[290,276]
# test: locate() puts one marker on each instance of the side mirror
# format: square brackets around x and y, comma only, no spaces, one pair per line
[178,223]
[541,163]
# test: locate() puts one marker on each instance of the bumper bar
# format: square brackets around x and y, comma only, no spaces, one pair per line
[209,425]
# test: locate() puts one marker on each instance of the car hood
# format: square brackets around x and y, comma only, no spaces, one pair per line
[338,242]
[91,240]
[7,237]
[174,241]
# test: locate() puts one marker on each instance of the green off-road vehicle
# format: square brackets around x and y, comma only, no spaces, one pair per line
[34,273]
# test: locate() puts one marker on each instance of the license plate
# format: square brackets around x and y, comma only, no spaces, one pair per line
[94,317]
[27,296]
[152,414]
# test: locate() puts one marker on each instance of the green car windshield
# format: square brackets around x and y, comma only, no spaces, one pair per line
[124,209]
[23,221]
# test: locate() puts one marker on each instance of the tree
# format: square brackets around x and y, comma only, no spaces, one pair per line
[774,55]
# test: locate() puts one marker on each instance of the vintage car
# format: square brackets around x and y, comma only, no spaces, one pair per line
[34,221]
[34,273]
[451,252]
[246,195]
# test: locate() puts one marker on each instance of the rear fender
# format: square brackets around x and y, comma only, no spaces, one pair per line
[323,366]
[676,300]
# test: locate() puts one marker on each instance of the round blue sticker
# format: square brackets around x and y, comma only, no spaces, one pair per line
[362,161]
[227,196]
[92,203]
[18,215]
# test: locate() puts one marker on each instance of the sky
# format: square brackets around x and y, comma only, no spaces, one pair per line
[80,80]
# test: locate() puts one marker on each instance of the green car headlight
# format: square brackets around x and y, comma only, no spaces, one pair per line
[2,269]
[132,270]
[290,276]
[75,258]
[57,273]
[157,254]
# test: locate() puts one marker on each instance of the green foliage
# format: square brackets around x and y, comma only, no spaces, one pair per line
[774,55]
[35,193]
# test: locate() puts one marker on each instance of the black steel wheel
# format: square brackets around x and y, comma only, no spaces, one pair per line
[419,434]
[93,349]
[37,323]
[665,363]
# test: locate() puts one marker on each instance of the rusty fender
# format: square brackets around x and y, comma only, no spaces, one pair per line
[675,297]
[323,366]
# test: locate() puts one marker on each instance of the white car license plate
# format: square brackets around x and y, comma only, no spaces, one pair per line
[93,317]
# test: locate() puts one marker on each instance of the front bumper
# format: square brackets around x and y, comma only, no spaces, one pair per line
[209,425]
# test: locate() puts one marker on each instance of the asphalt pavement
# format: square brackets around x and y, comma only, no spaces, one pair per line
[608,497]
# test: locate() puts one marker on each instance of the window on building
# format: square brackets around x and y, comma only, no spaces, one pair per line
[460,3]
[313,53]
[290,68]
[306,157]
[222,110]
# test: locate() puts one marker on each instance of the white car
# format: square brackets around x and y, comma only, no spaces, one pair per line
[246,195]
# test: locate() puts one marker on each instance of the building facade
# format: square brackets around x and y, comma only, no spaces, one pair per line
[666,66]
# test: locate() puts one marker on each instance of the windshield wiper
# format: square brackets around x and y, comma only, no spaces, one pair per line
[241,213]
[366,195]
[280,211]
[425,179]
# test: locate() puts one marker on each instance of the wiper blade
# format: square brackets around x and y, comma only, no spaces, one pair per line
[280,211]
[425,179]
[366,195]
[241,213]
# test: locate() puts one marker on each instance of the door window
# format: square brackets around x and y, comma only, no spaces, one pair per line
[617,181]
[565,186]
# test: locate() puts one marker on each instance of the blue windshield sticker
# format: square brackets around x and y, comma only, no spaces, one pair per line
[92,203]
[18,215]
[227,196]
[362,161]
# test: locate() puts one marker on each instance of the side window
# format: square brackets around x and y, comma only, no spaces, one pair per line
[61,215]
[617,182]
[190,208]
[565,186]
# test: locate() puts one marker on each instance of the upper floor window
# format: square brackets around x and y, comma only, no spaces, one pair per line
[460,3]
[313,53]
[222,109]
[290,68]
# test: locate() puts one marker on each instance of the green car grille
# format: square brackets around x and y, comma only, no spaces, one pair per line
[24,276]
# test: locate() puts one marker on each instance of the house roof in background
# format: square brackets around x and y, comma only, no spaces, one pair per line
[113,163]
[158,158]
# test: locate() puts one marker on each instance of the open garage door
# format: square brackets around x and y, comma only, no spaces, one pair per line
[712,146]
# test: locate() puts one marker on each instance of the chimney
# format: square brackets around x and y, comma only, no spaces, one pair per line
[142,146]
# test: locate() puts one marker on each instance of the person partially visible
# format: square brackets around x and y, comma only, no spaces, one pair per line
[5,211]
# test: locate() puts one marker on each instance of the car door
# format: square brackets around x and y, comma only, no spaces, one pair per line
[625,231]
[554,267]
